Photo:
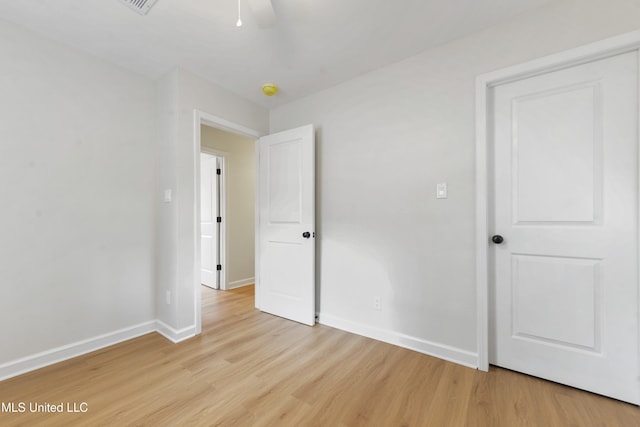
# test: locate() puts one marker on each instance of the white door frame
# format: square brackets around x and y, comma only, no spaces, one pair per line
[602,49]
[222,196]
[203,118]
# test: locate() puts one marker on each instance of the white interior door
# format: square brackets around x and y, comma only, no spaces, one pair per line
[565,296]
[286,267]
[208,220]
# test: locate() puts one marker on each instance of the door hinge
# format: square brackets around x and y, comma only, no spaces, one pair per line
[219,219]
[218,171]
[219,267]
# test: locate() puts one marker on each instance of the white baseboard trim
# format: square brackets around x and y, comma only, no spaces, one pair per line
[56,355]
[441,351]
[175,335]
[59,354]
[241,283]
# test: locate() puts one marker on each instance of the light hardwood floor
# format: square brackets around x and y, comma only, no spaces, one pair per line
[252,369]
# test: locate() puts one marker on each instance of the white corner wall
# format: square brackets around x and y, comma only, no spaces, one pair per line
[182,93]
[385,140]
[77,177]
[166,213]
[240,175]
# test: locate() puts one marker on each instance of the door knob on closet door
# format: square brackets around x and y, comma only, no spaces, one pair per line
[497,239]
[306,234]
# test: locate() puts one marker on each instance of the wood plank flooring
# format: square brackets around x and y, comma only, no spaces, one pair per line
[252,369]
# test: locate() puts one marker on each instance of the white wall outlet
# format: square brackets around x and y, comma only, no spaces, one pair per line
[167,196]
[377,304]
[441,190]
[168,297]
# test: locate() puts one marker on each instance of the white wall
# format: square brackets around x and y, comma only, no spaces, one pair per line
[385,139]
[88,247]
[77,177]
[166,213]
[176,234]
[240,168]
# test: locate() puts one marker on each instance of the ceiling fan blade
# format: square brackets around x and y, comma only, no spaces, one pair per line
[263,13]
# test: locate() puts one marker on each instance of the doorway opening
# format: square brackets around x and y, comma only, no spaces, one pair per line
[230,150]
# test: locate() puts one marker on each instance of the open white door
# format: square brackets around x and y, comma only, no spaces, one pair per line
[286,198]
[208,220]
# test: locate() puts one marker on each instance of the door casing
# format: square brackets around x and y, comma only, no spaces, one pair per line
[484,270]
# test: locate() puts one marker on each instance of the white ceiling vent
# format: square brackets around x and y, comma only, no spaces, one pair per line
[140,6]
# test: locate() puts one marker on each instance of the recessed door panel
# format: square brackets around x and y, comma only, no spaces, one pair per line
[284,280]
[555,132]
[285,182]
[557,300]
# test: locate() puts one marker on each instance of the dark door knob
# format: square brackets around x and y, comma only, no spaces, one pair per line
[306,234]
[497,239]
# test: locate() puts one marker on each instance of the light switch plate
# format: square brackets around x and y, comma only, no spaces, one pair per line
[441,190]
[167,196]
